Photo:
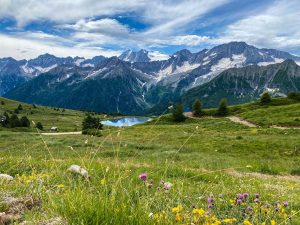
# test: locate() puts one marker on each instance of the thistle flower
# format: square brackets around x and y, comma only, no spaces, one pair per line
[143,176]
[245,195]
[256,195]
[167,186]
[256,200]
[239,201]
[285,203]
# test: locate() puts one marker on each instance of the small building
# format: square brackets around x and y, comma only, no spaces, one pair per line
[54,129]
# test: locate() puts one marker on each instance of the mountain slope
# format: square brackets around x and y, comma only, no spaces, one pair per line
[247,84]
[113,86]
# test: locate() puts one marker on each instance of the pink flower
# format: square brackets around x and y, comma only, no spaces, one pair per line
[143,176]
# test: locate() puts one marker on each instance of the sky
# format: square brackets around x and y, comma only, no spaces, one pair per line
[87,28]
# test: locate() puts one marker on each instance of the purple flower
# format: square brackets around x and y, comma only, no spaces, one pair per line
[143,176]
[285,203]
[245,195]
[256,195]
[240,196]
[256,200]
[207,213]
[249,208]
[239,201]
[210,200]
[209,206]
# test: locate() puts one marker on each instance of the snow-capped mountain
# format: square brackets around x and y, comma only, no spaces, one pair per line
[142,56]
[133,77]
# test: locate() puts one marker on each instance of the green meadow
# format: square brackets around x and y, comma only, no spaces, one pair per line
[193,171]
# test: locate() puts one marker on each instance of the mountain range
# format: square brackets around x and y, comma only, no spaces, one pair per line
[138,83]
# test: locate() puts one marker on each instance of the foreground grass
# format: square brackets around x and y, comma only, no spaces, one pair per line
[199,158]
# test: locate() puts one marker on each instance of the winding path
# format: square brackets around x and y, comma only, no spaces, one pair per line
[60,133]
[239,120]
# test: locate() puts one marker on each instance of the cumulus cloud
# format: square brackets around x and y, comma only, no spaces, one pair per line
[277,27]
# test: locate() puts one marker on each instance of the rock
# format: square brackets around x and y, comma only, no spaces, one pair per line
[8,218]
[5,177]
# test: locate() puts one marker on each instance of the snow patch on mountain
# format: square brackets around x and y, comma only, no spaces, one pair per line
[46,69]
[276,60]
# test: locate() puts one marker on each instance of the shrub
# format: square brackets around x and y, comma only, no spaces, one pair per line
[294,96]
[265,98]
[2,103]
[39,126]
[20,107]
[177,113]
[24,122]
[197,108]
[223,108]
[91,122]
[14,121]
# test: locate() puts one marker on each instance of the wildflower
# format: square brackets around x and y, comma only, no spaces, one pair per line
[239,201]
[245,195]
[167,186]
[229,220]
[199,212]
[178,217]
[210,200]
[256,195]
[150,214]
[249,208]
[285,203]
[60,186]
[256,200]
[220,196]
[247,222]
[240,196]
[102,182]
[273,222]
[177,209]
[143,176]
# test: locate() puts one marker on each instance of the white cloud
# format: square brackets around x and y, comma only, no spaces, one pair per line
[187,40]
[276,27]
[22,48]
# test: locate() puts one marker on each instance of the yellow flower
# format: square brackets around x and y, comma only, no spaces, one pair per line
[247,222]
[264,223]
[229,220]
[178,217]
[60,186]
[273,222]
[199,212]
[177,209]
[102,182]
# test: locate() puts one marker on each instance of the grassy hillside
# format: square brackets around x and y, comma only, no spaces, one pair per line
[64,119]
[203,159]
[281,112]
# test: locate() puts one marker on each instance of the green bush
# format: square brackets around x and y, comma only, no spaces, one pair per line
[39,126]
[223,108]
[91,122]
[14,121]
[178,113]
[265,98]
[197,108]
[24,122]
[294,96]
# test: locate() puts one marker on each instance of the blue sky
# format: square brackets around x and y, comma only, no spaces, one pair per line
[87,28]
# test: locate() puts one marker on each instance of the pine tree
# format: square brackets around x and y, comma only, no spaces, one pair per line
[39,126]
[265,98]
[14,121]
[223,109]
[20,107]
[197,108]
[178,113]
[6,122]
[91,122]
[24,122]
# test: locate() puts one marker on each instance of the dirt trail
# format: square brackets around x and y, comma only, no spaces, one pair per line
[239,120]
[60,133]
[283,128]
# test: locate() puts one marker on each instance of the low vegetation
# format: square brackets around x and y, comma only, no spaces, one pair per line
[205,170]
